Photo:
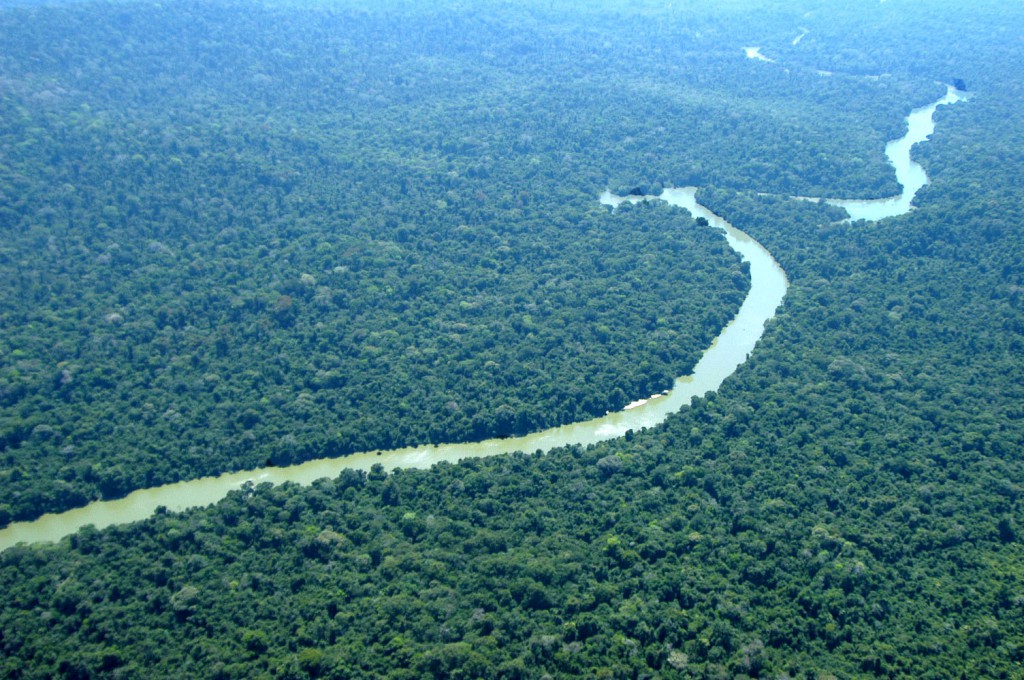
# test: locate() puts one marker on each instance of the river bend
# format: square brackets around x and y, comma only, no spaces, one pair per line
[727,352]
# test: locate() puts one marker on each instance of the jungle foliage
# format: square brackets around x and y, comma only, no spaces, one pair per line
[849,504]
[209,272]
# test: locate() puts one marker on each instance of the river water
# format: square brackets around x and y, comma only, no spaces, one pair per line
[719,361]
[730,349]
[910,174]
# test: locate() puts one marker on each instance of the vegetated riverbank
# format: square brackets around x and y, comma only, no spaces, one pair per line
[732,346]
[730,349]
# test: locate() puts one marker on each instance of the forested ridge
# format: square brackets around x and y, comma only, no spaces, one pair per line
[847,505]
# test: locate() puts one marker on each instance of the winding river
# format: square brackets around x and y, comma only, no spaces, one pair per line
[728,351]
[910,174]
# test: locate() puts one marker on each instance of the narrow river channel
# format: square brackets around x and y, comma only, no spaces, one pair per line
[728,351]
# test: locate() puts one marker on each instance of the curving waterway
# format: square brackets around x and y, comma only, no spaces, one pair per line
[728,351]
[910,174]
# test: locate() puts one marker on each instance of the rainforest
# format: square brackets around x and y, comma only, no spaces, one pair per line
[236,237]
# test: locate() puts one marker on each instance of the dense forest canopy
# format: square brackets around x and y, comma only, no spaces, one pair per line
[234,232]
[246,234]
[224,250]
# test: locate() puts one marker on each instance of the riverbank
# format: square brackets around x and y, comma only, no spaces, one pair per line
[726,353]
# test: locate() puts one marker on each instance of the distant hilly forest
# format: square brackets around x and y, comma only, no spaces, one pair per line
[242,234]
